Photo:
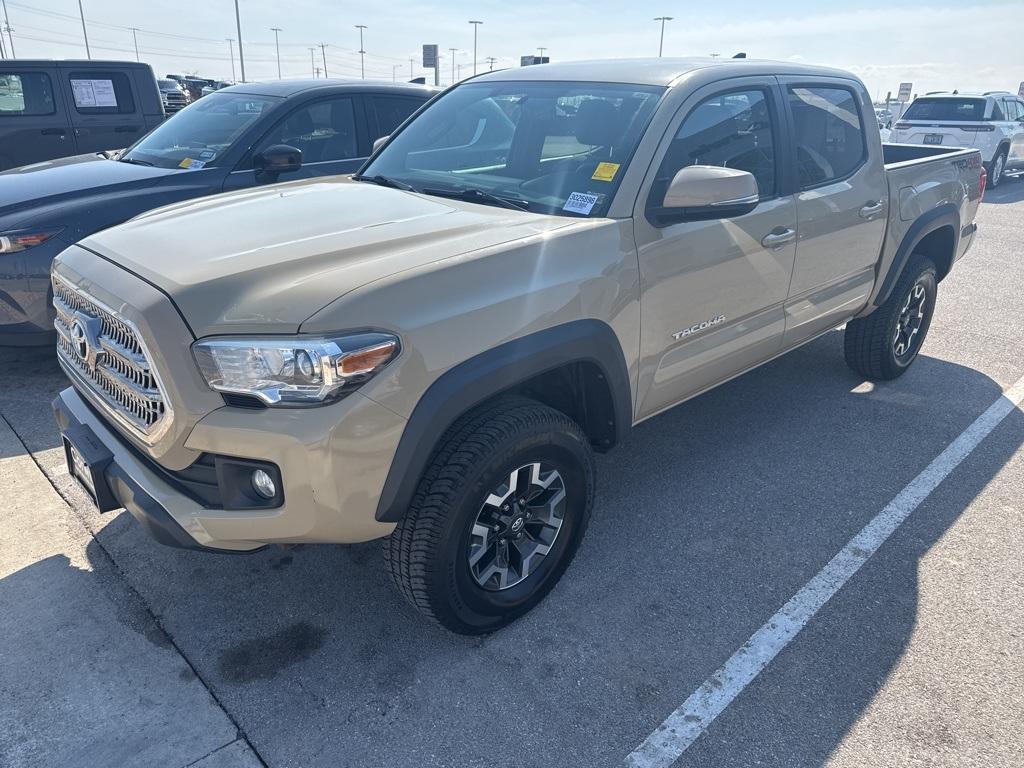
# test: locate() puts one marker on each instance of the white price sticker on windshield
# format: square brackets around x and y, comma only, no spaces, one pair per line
[580,202]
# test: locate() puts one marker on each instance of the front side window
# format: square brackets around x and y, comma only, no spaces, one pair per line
[200,134]
[324,131]
[26,93]
[552,147]
[730,130]
[828,132]
[945,108]
[101,93]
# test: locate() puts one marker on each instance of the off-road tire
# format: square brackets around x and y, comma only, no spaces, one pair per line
[868,343]
[426,554]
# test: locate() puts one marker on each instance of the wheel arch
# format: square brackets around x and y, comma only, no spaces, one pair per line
[577,368]
[935,233]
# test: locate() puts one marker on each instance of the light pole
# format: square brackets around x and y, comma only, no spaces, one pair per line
[541,51]
[3,52]
[661,44]
[85,34]
[394,72]
[475,24]
[241,56]
[362,53]
[490,60]
[277,47]
[410,68]
[323,54]
[312,61]
[453,50]
[136,39]
[231,52]
[7,24]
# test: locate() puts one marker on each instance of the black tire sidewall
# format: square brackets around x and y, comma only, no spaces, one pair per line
[471,605]
[924,272]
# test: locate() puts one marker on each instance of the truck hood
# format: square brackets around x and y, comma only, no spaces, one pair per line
[28,186]
[265,260]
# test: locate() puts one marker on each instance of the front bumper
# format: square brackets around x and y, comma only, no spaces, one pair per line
[332,460]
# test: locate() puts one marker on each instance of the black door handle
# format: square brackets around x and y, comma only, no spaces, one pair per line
[126,129]
[53,131]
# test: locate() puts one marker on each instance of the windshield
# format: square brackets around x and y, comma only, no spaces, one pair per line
[545,146]
[167,85]
[946,109]
[198,135]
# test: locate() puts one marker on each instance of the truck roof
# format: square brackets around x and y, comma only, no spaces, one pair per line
[287,88]
[660,71]
[77,63]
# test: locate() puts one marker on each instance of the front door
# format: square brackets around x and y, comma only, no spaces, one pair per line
[104,112]
[33,123]
[713,292]
[841,204]
[329,132]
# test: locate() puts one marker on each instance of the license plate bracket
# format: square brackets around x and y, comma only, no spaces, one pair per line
[933,138]
[87,459]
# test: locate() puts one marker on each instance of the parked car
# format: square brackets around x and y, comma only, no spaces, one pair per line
[240,137]
[195,85]
[174,97]
[214,87]
[51,109]
[992,123]
[431,351]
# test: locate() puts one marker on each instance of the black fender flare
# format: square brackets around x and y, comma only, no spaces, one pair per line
[490,373]
[941,216]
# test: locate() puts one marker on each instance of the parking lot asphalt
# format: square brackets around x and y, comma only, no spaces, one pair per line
[709,518]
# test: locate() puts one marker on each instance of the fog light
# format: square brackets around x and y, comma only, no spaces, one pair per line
[263,484]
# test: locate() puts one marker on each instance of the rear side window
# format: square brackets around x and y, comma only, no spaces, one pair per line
[732,130]
[829,134]
[101,93]
[392,111]
[26,93]
[997,111]
[325,131]
[946,109]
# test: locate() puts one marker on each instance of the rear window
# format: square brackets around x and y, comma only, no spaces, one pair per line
[946,109]
[26,93]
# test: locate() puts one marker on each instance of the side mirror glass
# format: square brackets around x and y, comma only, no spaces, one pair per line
[278,158]
[380,142]
[708,192]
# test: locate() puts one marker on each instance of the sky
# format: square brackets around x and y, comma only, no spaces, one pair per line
[935,45]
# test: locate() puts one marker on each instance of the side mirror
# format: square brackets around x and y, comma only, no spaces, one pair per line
[380,142]
[278,158]
[700,192]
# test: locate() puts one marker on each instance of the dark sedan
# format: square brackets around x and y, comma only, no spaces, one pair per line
[237,137]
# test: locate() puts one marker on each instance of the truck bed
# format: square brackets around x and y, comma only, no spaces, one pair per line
[907,154]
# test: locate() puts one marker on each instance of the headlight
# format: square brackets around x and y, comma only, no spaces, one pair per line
[297,370]
[23,239]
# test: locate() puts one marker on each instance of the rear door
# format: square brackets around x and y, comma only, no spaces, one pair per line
[387,112]
[104,108]
[331,133]
[33,123]
[841,202]
[713,291]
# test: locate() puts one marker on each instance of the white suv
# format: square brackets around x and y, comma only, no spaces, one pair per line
[992,122]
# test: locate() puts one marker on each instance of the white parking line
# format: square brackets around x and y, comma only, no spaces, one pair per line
[682,727]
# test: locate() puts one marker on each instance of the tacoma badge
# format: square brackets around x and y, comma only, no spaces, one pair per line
[698,327]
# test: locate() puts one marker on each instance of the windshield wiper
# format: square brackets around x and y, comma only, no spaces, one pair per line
[385,181]
[135,161]
[474,195]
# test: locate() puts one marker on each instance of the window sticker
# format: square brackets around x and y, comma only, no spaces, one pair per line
[581,202]
[188,162]
[207,154]
[605,171]
[94,93]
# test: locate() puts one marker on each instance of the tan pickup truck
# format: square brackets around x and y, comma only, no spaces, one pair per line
[431,351]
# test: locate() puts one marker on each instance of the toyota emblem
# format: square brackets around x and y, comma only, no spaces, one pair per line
[80,339]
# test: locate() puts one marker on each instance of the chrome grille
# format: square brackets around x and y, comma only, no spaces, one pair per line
[109,357]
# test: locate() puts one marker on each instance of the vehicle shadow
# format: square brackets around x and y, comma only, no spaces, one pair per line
[1010,190]
[709,518]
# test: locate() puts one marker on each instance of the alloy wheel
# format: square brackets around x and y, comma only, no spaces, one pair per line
[909,323]
[516,526]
